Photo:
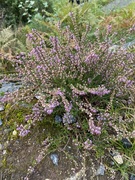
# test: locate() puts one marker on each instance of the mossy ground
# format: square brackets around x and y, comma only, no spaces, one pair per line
[21,153]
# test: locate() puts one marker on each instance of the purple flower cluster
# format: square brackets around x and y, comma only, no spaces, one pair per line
[68,119]
[95,130]
[100,91]
[23,130]
[103,117]
[88,144]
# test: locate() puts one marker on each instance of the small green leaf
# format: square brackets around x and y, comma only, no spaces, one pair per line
[32,2]
[45,4]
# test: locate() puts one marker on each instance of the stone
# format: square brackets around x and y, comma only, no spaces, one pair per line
[2,108]
[9,87]
[126,143]
[1,122]
[118,159]
[112,163]
[6,144]
[116,4]
[6,131]
[54,158]
[4,152]
[14,133]
[132,177]
[129,44]
[58,119]
[100,170]
[1,147]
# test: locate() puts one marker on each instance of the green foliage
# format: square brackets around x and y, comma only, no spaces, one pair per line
[120,19]
[9,43]
[86,13]
[18,12]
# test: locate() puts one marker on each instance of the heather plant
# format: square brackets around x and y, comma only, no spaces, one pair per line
[74,78]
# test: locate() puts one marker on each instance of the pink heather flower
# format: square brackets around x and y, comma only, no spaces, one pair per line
[100,91]
[23,131]
[88,144]
[59,92]
[94,129]
[49,111]
[109,28]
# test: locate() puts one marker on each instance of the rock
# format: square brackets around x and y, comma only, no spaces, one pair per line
[14,133]
[113,49]
[129,44]
[6,144]
[2,108]
[1,147]
[118,158]
[100,170]
[116,4]
[1,122]
[6,131]
[9,87]
[112,163]
[58,119]
[132,177]
[4,152]
[54,158]
[126,143]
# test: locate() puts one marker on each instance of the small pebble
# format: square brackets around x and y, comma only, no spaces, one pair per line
[132,177]
[126,143]
[14,133]
[4,152]
[6,131]
[1,122]
[58,119]
[112,163]
[118,159]
[101,170]
[1,147]
[1,108]
[54,158]
[6,144]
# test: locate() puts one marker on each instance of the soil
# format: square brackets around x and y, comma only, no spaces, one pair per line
[21,155]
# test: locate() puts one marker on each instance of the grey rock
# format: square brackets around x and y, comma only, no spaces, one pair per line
[54,158]
[100,170]
[2,108]
[132,177]
[6,131]
[126,143]
[116,4]
[1,122]
[9,87]
[1,147]
[58,119]
[112,163]
[129,44]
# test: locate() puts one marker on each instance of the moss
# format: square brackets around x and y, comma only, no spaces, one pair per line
[14,115]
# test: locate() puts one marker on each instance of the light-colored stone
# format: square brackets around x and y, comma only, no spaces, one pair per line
[118,159]
[116,4]
[1,108]
[1,147]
